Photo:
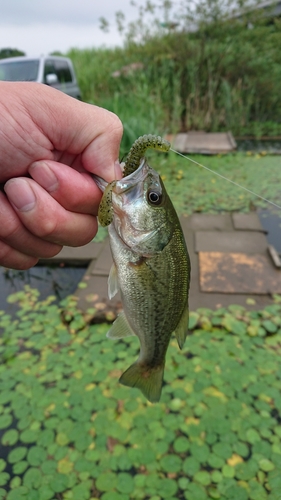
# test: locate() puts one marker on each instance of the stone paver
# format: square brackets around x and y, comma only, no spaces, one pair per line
[247,222]
[103,262]
[235,241]
[74,255]
[209,222]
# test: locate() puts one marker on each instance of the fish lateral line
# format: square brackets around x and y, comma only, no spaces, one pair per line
[226,179]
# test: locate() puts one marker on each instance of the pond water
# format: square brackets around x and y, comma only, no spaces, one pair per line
[271,222]
[256,145]
[270,218]
[49,280]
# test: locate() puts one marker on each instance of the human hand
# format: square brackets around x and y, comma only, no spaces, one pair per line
[49,141]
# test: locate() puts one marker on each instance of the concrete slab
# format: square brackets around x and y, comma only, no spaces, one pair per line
[235,241]
[238,273]
[95,295]
[76,255]
[210,222]
[247,222]
[104,260]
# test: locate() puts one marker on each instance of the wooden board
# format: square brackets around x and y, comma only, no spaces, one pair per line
[203,142]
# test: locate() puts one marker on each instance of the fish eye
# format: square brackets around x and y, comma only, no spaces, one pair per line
[154,197]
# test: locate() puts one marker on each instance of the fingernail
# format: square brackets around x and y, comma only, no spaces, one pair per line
[42,174]
[20,194]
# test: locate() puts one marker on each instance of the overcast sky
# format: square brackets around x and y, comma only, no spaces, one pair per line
[43,26]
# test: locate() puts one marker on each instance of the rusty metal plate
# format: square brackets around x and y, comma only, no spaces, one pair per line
[238,273]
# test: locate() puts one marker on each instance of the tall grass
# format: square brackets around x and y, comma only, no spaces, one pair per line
[130,95]
[222,77]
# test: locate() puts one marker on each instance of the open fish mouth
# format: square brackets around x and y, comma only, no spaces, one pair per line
[122,184]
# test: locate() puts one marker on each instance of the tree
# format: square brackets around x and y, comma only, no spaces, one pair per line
[4,53]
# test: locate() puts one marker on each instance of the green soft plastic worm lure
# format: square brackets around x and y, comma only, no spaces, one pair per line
[139,148]
[105,212]
[132,163]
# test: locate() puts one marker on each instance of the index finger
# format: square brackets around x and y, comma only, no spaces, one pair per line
[83,129]
[101,155]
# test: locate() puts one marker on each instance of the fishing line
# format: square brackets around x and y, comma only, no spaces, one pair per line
[226,179]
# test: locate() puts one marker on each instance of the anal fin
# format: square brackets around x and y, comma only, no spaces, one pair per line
[182,328]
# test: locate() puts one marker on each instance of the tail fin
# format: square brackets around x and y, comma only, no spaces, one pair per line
[148,380]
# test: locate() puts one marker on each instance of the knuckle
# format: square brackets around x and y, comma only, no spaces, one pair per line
[48,228]
[117,126]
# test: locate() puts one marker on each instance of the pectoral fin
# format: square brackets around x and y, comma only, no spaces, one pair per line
[182,328]
[120,328]
[112,282]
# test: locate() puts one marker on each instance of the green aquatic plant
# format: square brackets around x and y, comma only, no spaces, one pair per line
[193,189]
[68,430]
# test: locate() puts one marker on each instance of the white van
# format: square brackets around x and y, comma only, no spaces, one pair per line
[55,71]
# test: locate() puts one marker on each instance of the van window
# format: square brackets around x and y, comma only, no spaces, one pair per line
[19,71]
[59,68]
[49,69]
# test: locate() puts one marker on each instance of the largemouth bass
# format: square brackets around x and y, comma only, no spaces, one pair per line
[151,268]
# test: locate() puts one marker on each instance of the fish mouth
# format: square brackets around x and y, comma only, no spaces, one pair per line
[100,182]
[131,180]
[124,184]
